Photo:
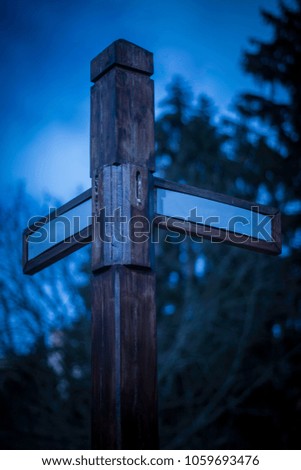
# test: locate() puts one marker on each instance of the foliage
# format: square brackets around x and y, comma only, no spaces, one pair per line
[44,345]
[228,319]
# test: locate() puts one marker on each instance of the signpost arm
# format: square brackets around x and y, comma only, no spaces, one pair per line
[124,398]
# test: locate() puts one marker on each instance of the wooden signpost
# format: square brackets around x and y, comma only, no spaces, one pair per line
[117,216]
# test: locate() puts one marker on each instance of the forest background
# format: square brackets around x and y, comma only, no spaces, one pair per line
[229,320]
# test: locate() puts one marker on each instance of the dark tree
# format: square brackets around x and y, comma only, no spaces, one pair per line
[229,320]
[276,65]
[44,344]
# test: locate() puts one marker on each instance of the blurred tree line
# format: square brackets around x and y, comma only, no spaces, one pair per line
[229,320]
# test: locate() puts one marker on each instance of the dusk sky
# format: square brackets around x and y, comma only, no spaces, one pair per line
[46,50]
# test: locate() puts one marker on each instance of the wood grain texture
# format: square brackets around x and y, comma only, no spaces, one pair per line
[124,414]
[122,120]
[121,223]
[124,397]
[122,53]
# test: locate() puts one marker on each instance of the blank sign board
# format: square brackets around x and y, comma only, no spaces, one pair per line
[217,217]
[59,229]
[179,208]
[64,230]
[214,214]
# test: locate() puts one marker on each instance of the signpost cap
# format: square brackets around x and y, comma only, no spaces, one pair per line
[123,54]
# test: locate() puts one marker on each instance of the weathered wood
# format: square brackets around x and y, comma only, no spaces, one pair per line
[122,211]
[124,359]
[212,195]
[60,250]
[215,234]
[123,54]
[123,283]
[124,393]
[122,120]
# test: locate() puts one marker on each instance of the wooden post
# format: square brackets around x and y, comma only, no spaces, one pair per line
[124,397]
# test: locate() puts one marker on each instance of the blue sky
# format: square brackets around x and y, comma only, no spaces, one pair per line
[46,51]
